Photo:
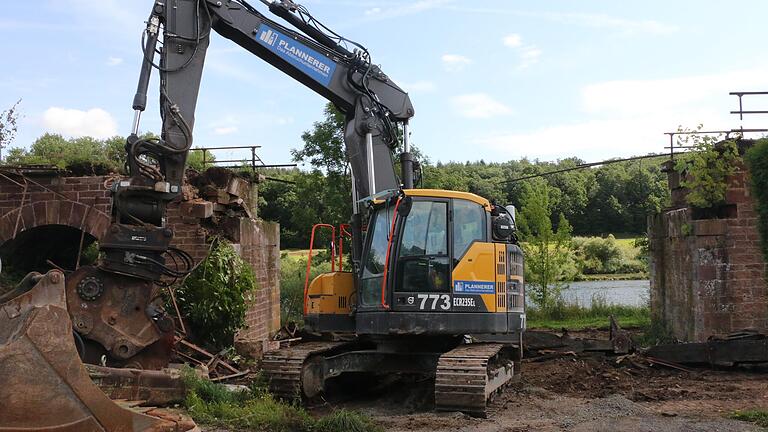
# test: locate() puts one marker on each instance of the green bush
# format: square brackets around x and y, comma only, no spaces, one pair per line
[214,297]
[756,159]
[81,156]
[596,255]
[293,270]
[705,169]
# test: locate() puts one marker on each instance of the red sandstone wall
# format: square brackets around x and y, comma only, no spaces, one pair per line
[84,203]
[708,276]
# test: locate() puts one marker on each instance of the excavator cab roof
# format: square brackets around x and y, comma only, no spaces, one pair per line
[442,193]
[382,197]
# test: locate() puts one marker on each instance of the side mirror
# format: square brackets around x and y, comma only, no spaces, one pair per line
[512,213]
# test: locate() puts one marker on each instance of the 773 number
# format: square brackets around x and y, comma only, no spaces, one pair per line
[443,301]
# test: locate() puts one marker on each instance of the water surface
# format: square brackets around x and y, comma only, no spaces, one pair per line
[625,292]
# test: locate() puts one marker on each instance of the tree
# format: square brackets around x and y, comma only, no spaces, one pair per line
[324,144]
[82,156]
[8,126]
[547,251]
[324,194]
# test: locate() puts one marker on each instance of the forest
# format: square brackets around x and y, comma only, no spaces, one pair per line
[613,198]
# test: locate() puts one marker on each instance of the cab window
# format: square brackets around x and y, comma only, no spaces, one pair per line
[373,265]
[468,226]
[423,262]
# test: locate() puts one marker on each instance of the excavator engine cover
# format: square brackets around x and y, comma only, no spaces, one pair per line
[43,384]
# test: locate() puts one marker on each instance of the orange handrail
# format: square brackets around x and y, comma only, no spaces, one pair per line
[309,260]
[386,260]
[343,231]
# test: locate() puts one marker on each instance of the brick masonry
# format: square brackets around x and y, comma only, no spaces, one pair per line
[708,276]
[84,203]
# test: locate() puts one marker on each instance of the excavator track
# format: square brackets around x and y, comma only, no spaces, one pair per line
[468,376]
[287,372]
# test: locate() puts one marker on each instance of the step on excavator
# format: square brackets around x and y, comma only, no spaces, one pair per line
[435,284]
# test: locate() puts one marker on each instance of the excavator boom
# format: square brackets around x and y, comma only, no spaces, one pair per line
[110,306]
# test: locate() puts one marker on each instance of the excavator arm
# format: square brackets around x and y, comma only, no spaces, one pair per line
[109,307]
[179,31]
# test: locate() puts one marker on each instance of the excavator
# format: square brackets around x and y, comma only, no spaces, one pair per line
[435,285]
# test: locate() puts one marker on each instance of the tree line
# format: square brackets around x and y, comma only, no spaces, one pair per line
[597,201]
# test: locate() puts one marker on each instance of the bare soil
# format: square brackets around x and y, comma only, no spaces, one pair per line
[582,393]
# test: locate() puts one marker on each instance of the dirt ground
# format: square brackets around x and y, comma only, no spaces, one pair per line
[584,393]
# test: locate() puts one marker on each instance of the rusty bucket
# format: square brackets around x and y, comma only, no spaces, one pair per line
[43,384]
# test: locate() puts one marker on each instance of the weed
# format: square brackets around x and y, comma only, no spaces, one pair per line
[654,333]
[756,416]
[256,409]
[348,421]
[293,269]
[575,316]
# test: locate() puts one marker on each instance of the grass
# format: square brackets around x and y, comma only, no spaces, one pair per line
[213,404]
[756,416]
[578,317]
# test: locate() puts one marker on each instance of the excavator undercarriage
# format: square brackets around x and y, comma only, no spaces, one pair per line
[467,377]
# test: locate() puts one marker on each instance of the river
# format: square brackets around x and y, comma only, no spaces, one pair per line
[624,292]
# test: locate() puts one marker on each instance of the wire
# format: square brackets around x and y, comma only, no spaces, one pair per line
[586,165]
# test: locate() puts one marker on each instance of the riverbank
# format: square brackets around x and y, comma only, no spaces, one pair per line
[611,277]
[576,317]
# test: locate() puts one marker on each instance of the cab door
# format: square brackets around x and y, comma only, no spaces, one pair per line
[422,271]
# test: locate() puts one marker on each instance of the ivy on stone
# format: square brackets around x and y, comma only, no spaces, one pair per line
[756,159]
[705,169]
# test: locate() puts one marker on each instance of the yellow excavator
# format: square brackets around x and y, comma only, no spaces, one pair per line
[439,292]
[435,284]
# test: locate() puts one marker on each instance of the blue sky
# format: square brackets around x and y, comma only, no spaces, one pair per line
[493,80]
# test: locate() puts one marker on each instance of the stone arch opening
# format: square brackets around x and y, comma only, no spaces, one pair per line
[37,248]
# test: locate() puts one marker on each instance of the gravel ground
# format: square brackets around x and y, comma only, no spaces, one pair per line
[584,394]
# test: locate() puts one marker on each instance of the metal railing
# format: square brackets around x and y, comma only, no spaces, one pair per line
[253,163]
[740,130]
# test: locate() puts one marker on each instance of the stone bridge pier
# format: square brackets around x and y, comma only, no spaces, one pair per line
[47,219]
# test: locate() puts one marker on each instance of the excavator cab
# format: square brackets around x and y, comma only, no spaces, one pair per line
[433,262]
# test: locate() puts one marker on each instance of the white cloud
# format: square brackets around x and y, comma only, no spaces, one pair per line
[406,8]
[455,62]
[631,97]
[227,130]
[419,86]
[629,117]
[529,54]
[114,61]
[479,105]
[626,26]
[95,122]
[513,40]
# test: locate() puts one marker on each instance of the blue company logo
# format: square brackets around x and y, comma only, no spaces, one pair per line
[474,287]
[315,65]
